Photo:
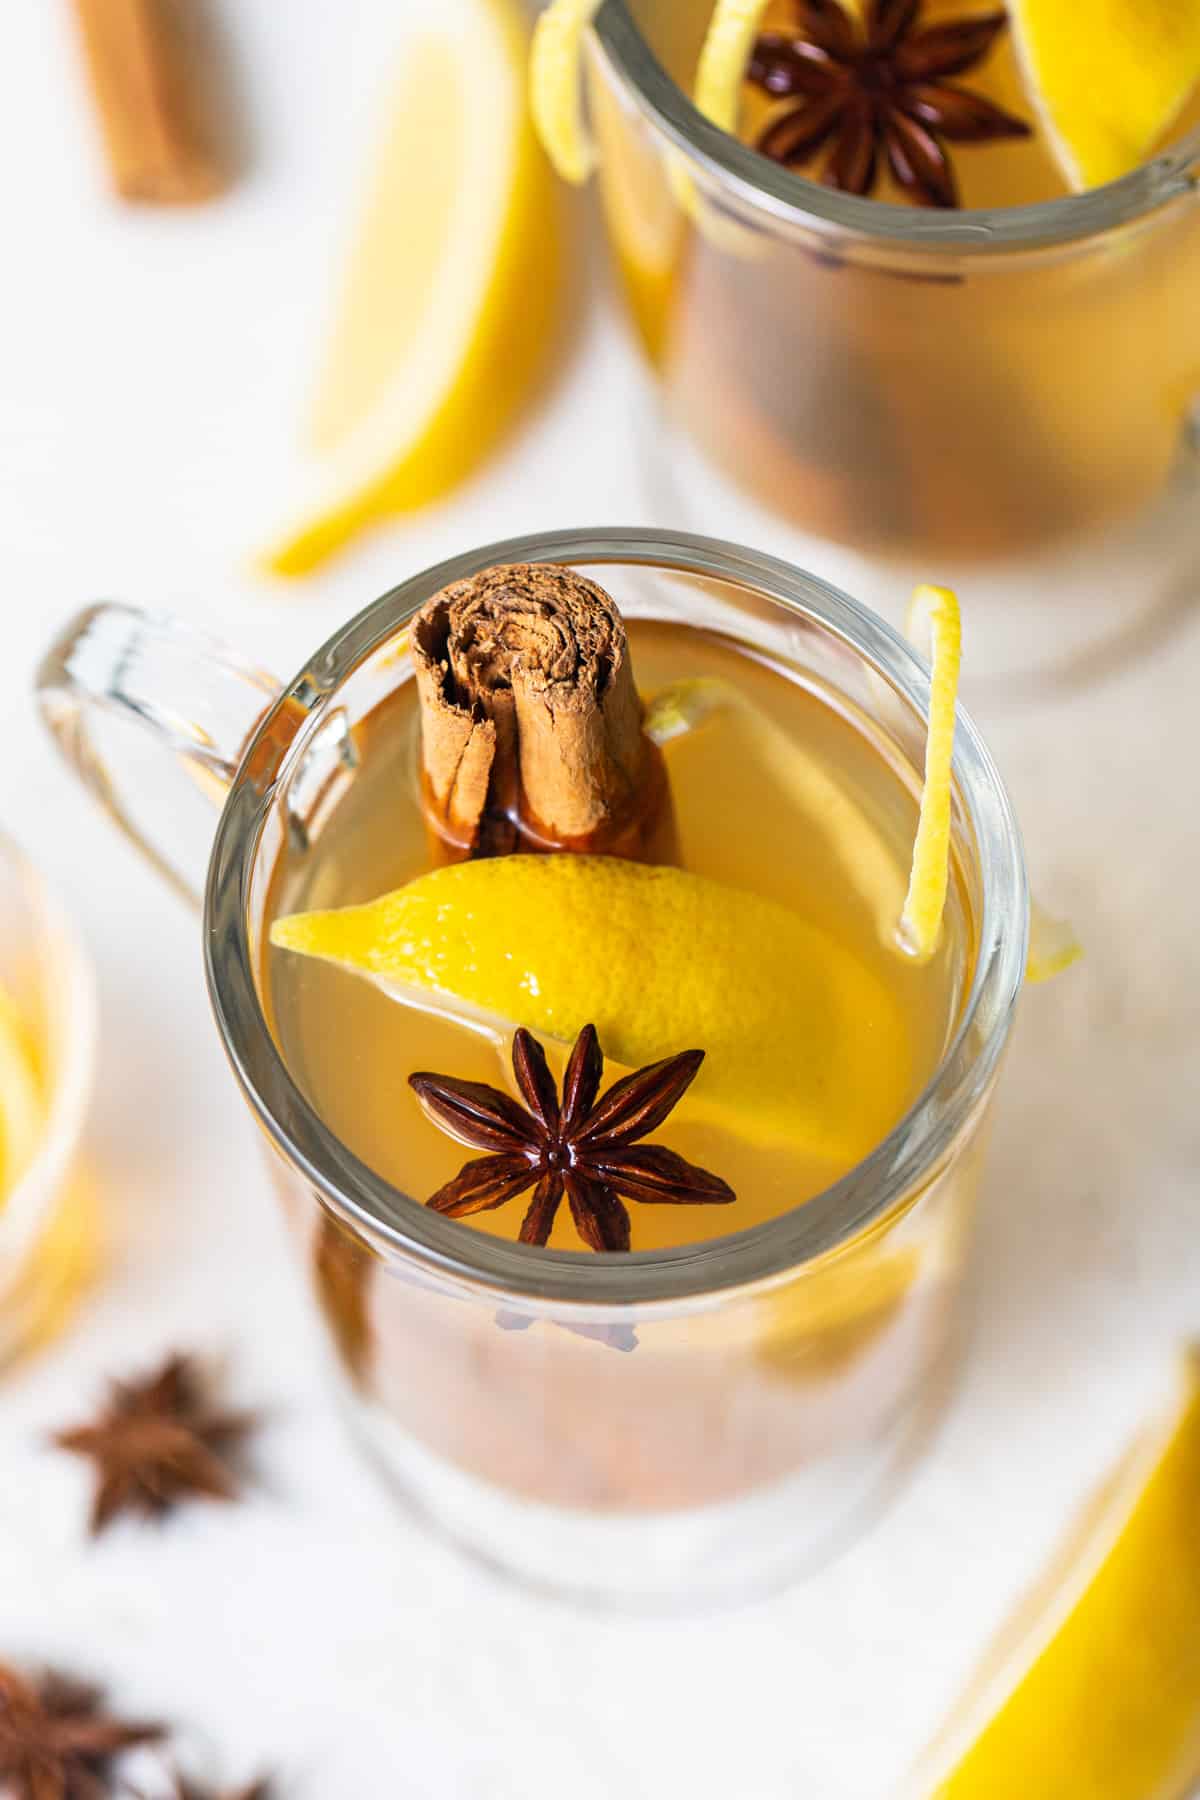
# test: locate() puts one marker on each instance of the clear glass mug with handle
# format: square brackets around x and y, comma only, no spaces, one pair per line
[782,1373]
[855,384]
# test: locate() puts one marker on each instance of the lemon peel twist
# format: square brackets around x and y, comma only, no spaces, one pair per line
[555,68]
[933,611]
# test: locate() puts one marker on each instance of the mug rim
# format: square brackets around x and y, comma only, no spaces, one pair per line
[901,1164]
[794,201]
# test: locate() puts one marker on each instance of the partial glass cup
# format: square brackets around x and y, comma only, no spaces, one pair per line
[47,1220]
[854,383]
[782,1374]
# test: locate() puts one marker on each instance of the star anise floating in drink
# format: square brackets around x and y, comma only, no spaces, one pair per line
[56,1740]
[157,1443]
[588,1151]
[879,91]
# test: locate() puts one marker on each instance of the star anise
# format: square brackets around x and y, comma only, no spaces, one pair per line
[879,89]
[56,1743]
[157,1443]
[587,1151]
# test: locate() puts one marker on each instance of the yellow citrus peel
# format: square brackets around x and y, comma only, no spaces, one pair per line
[724,57]
[555,84]
[1109,78]
[933,613]
[1093,1692]
[448,306]
[1053,945]
[21,1108]
[658,959]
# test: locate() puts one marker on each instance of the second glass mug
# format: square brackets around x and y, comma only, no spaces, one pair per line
[782,1373]
[911,384]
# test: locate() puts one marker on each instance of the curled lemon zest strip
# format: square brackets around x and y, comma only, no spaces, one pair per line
[933,611]
[721,70]
[555,82]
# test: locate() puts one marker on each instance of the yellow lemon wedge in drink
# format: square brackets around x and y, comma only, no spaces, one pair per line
[20,1098]
[555,75]
[659,960]
[1094,1692]
[446,314]
[1109,78]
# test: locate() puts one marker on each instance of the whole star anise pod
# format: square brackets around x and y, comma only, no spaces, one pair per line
[879,90]
[587,1151]
[56,1742]
[157,1443]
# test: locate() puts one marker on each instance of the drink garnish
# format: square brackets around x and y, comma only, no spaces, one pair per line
[158,1442]
[1109,78]
[933,612]
[554,82]
[57,1739]
[531,726]
[1093,1691]
[587,1150]
[654,957]
[876,93]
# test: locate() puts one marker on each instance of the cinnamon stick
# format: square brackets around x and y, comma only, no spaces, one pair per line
[531,725]
[152,74]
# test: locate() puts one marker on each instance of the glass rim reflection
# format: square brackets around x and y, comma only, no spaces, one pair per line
[900,1165]
[794,202]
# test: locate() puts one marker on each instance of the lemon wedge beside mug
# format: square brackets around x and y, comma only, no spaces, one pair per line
[21,1108]
[447,310]
[1094,1694]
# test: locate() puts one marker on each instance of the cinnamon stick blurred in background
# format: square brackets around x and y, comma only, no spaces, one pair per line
[162,94]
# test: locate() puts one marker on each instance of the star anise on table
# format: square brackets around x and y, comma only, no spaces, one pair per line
[879,90]
[56,1742]
[585,1149]
[158,1442]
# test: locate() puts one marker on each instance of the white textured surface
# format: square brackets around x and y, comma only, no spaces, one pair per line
[149,368]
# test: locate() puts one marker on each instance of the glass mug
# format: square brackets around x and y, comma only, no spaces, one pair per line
[909,383]
[759,1415]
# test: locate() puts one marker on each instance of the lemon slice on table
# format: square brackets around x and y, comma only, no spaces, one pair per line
[452,289]
[1094,1694]
[659,961]
[20,1098]
[1109,78]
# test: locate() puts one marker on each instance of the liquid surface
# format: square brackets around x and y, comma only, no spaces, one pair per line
[774,792]
[1013,172]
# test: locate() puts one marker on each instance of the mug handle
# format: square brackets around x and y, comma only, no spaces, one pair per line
[192,695]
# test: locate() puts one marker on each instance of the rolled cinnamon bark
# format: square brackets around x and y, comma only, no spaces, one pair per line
[530,721]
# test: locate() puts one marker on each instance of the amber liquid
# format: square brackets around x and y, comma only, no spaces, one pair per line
[780,793]
[902,402]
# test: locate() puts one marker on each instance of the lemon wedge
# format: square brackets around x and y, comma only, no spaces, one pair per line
[20,1098]
[933,613]
[1110,79]
[446,312]
[1094,1694]
[721,69]
[659,960]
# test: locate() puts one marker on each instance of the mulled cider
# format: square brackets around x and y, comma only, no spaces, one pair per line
[883,307]
[594,949]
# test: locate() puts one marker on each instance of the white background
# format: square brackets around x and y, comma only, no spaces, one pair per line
[152,369]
